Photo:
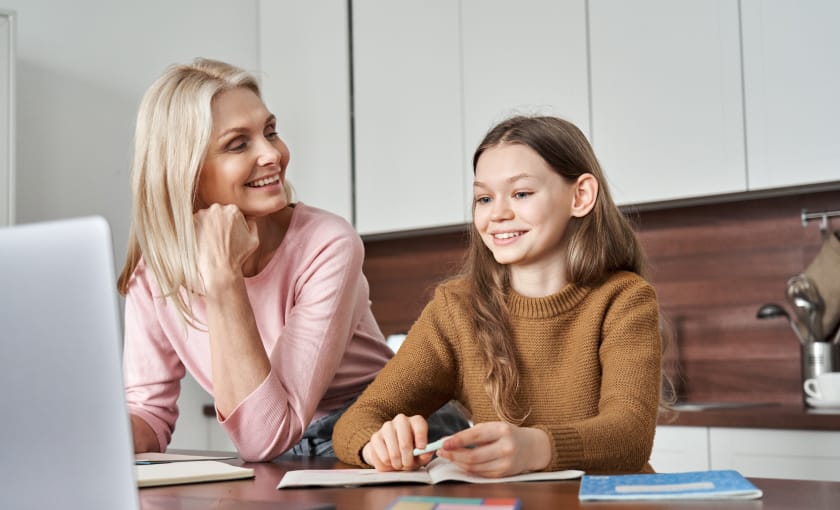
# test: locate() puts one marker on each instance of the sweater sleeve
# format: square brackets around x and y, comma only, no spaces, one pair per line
[152,370]
[620,437]
[330,297]
[419,379]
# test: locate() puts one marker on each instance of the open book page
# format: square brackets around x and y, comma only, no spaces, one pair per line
[350,477]
[715,484]
[160,458]
[439,470]
[174,473]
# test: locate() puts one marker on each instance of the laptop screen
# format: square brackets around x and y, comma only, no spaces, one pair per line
[65,433]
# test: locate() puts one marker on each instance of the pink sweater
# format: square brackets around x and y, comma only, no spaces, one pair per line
[312,307]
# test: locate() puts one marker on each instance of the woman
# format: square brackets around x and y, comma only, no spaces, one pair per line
[262,300]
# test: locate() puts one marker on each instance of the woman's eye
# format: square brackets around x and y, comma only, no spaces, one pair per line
[236,145]
[521,194]
[271,133]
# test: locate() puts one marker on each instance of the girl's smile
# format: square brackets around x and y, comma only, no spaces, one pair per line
[522,207]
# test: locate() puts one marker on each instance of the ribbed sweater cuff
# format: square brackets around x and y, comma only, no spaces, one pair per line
[356,443]
[566,448]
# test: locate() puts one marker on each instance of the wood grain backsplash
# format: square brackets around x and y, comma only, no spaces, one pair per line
[712,266]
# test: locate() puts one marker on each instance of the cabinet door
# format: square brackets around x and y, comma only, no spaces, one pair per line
[7,118]
[791,81]
[769,453]
[677,449]
[306,83]
[528,60]
[667,117]
[407,115]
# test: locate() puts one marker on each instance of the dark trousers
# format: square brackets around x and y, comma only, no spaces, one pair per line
[317,438]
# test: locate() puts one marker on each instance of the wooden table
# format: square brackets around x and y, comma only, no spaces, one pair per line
[778,494]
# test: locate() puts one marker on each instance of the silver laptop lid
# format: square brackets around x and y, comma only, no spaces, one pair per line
[65,438]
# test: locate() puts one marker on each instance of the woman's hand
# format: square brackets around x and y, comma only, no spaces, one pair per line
[225,240]
[145,439]
[391,448]
[496,449]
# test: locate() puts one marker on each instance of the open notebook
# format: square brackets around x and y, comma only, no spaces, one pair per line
[65,439]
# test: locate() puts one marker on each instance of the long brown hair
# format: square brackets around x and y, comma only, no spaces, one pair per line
[597,245]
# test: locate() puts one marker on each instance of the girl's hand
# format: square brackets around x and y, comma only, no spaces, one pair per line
[496,449]
[390,449]
[225,240]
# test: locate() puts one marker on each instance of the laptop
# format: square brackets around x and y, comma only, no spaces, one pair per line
[65,439]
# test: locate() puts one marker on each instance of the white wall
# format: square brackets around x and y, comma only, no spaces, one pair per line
[82,67]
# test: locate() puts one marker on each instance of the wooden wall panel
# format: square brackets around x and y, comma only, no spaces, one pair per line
[712,266]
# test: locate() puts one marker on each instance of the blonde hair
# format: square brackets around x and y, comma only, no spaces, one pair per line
[597,245]
[171,138]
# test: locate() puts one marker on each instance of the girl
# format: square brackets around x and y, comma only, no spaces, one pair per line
[261,299]
[549,337]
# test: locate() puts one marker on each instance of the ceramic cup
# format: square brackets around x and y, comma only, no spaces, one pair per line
[825,386]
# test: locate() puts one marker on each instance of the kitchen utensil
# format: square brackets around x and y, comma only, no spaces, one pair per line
[824,271]
[772,311]
[807,303]
[812,294]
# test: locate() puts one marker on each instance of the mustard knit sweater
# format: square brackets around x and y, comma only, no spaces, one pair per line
[589,362]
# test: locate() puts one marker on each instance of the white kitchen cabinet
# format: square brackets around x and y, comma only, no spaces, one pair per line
[762,453]
[528,60]
[7,117]
[409,148]
[422,104]
[771,453]
[678,448]
[791,81]
[305,75]
[667,109]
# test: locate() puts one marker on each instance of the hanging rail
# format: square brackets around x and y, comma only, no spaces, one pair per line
[822,216]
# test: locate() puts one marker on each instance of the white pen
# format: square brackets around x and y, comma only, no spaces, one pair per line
[435,445]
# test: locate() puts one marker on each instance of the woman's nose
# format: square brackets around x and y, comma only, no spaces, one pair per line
[269,153]
[501,211]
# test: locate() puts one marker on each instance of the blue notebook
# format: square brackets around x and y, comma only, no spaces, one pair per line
[443,503]
[718,484]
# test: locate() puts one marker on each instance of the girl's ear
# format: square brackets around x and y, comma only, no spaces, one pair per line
[586,191]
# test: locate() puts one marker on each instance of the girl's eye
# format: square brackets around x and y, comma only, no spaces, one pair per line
[482,200]
[521,194]
[270,132]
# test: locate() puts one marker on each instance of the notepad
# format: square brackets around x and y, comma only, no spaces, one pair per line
[175,473]
[165,458]
[439,470]
[442,503]
[715,484]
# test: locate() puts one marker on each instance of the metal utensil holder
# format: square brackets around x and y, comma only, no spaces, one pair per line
[819,358]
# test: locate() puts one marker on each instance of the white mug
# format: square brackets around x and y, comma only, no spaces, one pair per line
[825,386]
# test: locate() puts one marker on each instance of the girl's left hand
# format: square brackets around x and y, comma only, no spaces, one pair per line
[496,449]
